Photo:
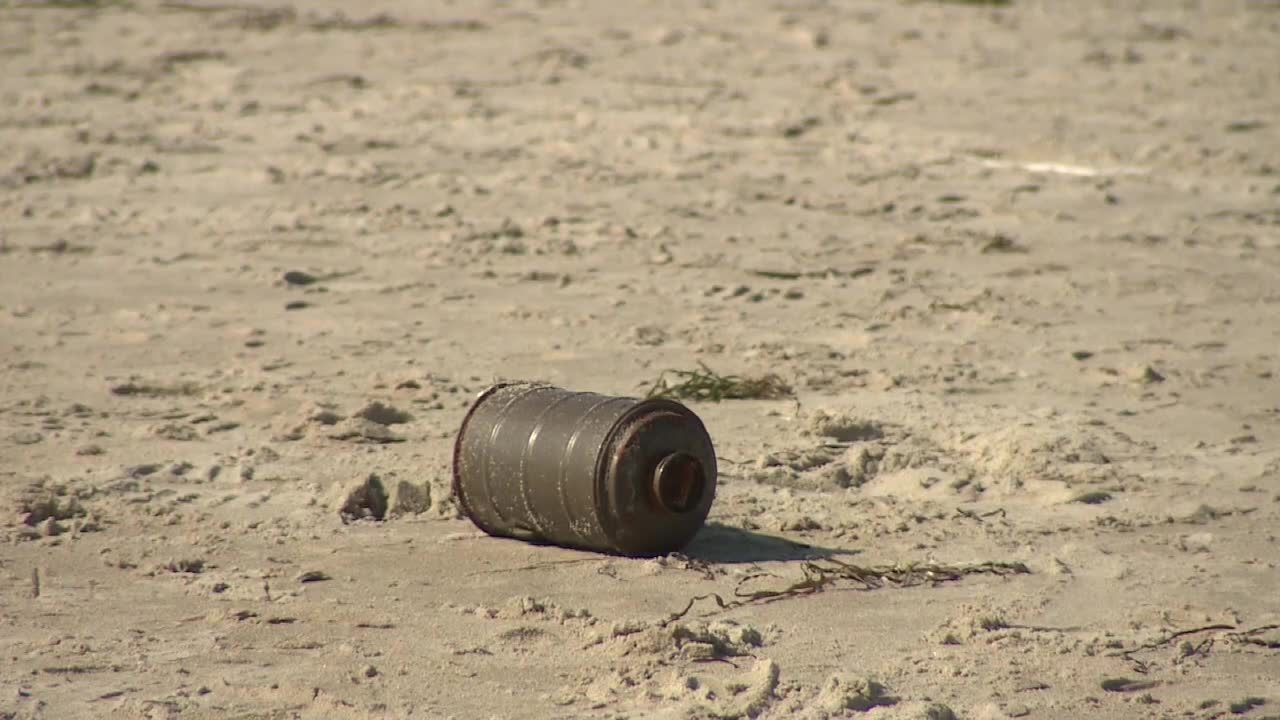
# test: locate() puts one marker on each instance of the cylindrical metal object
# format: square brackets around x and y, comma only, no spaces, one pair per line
[619,475]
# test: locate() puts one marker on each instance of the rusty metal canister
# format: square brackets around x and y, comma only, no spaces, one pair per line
[612,474]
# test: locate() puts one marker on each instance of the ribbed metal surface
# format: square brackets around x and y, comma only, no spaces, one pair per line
[578,469]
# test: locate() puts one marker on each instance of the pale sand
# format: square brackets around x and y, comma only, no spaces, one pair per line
[1015,259]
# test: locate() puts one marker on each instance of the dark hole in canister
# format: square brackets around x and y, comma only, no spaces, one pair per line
[678,483]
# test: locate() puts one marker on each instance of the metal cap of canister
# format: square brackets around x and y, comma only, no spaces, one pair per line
[612,474]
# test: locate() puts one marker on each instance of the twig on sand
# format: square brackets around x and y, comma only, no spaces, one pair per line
[821,575]
[1188,650]
[1250,636]
[537,566]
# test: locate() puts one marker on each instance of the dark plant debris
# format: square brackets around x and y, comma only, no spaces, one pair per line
[1232,633]
[1092,497]
[145,389]
[824,273]
[707,385]
[822,575]
[1124,685]
[976,3]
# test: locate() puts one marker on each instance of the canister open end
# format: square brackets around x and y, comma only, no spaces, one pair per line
[679,482]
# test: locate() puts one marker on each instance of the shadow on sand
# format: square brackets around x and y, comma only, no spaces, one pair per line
[717,543]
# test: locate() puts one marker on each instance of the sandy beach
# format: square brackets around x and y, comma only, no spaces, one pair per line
[1018,264]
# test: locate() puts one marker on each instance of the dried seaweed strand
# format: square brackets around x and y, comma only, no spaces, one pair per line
[720,602]
[819,576]
[1247,636]
[536,566]
[707,385]
[1242,636]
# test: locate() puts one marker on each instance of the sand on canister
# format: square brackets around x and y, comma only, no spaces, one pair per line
[976,300]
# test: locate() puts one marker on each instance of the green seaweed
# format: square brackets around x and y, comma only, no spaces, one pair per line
[705,384]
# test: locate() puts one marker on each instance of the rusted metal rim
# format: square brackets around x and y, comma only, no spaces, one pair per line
[679,482]
[624,427]
[457,452]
